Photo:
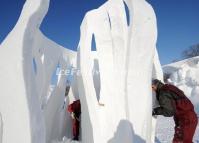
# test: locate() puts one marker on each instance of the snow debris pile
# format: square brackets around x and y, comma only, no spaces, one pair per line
[185,75]
[34,111]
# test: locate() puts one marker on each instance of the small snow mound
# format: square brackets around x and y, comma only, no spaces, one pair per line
[66,140]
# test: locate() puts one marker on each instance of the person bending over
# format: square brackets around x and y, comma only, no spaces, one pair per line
[173,102]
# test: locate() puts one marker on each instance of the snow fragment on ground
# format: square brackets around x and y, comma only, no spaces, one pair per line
[66,140]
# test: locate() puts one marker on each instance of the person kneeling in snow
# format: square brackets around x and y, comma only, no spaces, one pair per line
[75,110]
[174,103]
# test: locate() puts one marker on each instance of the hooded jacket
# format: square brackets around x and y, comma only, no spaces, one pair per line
[167,107]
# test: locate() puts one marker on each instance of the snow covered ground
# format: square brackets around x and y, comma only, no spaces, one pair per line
[165,130]
[66,140]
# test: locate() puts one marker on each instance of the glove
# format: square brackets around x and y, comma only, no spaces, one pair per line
[154,112]
[72,115]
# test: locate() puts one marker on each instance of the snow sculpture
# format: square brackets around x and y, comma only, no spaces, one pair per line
[126,53]
[125,33]
[28,60]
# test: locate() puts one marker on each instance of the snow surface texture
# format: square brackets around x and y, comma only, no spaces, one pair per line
[32,111]
[165,131]
[183,74]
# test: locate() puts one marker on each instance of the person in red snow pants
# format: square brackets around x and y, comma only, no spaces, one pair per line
[75,110]
[173,102]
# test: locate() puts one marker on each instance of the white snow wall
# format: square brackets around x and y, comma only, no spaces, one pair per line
[127,56]
[28,60]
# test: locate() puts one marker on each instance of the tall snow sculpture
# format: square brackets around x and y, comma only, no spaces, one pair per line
[16,94]
[28,60]
[126,48]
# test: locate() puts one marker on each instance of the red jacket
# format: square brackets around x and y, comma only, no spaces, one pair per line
[75,107]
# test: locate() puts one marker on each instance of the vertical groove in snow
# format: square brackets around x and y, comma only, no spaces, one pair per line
[127,12]
[93,43]
[109,20]
[129,35]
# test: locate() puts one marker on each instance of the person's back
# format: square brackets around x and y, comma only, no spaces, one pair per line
[182,103]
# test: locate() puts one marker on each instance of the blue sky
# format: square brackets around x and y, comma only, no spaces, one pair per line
[178,23]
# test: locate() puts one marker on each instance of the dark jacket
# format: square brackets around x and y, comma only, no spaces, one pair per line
[172,101]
